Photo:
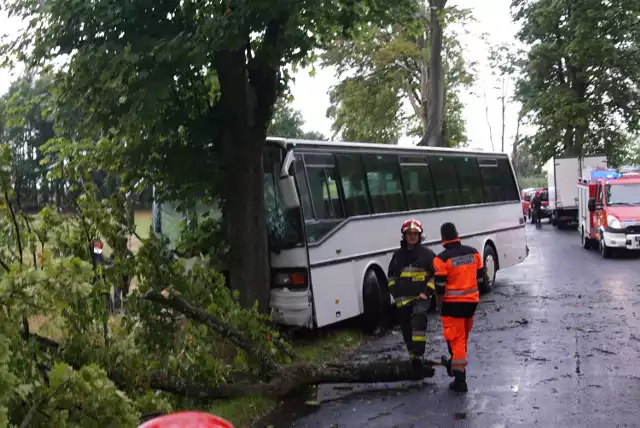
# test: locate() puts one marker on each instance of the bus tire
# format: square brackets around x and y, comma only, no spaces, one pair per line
[373,302]
[490,262]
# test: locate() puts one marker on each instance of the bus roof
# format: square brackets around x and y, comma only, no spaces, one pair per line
[294,142]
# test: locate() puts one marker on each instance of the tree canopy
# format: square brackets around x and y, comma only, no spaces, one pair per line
[288,123]
[181,94]
[580,82]
[385,69]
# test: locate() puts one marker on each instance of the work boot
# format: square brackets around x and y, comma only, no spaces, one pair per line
[459,384]
[446,362]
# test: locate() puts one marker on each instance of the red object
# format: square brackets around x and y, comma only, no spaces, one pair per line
[187,420]
[411,224]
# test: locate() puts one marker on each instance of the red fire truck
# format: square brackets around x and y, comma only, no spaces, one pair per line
[609,209]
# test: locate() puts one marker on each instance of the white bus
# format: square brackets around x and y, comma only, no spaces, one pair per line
[334,212]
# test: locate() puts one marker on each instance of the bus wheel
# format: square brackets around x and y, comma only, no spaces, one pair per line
[373,302]
[490,264]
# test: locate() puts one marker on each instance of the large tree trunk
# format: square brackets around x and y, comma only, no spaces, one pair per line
[242,147]
[435,113]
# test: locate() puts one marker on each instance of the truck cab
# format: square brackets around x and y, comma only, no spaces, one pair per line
[612,215]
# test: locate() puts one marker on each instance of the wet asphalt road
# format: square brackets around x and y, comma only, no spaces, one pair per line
[556,344]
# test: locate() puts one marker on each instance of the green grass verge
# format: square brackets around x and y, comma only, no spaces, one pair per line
[243,412]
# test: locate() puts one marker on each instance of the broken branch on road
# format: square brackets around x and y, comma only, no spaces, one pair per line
[282,379]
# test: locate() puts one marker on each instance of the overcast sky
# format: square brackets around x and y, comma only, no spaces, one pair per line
[311,92]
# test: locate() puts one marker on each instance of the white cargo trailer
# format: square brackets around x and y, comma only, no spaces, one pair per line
[562,175]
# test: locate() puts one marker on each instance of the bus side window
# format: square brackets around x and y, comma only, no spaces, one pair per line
[470,180]
[508,186]
[324,193]
[418,185]
[385,186]
[443,169]
[491,179]
[356,200]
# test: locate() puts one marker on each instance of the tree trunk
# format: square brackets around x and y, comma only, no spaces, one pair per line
[424,79]
[243,146]
[488,118]
[503,100]
[516,141]
[435,113]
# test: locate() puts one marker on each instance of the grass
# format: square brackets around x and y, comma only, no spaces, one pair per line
[323,346]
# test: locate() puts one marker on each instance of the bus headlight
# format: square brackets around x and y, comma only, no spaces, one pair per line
[290,279]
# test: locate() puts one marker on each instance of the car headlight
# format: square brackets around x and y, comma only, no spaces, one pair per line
[613,222]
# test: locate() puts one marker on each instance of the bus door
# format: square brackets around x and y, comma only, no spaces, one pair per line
[288,257]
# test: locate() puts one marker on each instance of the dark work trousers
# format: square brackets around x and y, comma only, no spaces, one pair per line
[413,323]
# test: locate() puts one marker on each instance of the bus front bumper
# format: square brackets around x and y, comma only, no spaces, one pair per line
[292,307]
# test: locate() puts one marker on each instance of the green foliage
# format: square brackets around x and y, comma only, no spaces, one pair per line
[579,83]
[47,272]
[532,181]
[381,74]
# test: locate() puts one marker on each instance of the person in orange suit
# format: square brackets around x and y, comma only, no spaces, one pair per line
[457,270]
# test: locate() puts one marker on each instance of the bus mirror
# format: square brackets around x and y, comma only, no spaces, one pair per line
[288,192]
[286,163]
[591,205]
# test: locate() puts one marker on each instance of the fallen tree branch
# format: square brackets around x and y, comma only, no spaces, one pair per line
[234,336]
[290,379]
[286,378]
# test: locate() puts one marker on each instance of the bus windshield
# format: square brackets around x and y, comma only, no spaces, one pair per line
[623,194]
[284,225]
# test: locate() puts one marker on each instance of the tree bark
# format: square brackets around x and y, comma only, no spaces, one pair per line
[435,115]
[243,191]
[292,377]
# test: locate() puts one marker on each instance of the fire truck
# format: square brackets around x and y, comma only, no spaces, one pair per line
[609,209]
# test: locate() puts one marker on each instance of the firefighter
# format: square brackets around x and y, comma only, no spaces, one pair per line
[457,270]
[411,285]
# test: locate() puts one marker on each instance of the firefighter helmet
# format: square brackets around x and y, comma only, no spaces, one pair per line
[187,420]
[411,225]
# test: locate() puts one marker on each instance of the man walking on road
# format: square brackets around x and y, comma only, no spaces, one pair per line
[457,270]
[411,285]
[536,203]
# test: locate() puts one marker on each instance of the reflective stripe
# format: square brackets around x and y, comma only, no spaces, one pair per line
[416,276]
[460,292]
[418,338]
[413,269]
[459,362]
[431,284]
[392,282]
[405,301]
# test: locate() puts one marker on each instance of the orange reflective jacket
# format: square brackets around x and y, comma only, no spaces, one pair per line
[457,270]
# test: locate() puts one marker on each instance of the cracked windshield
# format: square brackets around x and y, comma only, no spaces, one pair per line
[391,213]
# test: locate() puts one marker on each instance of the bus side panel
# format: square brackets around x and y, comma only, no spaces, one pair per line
[335,297]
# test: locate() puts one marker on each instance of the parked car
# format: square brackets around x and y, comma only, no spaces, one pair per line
[525,197]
